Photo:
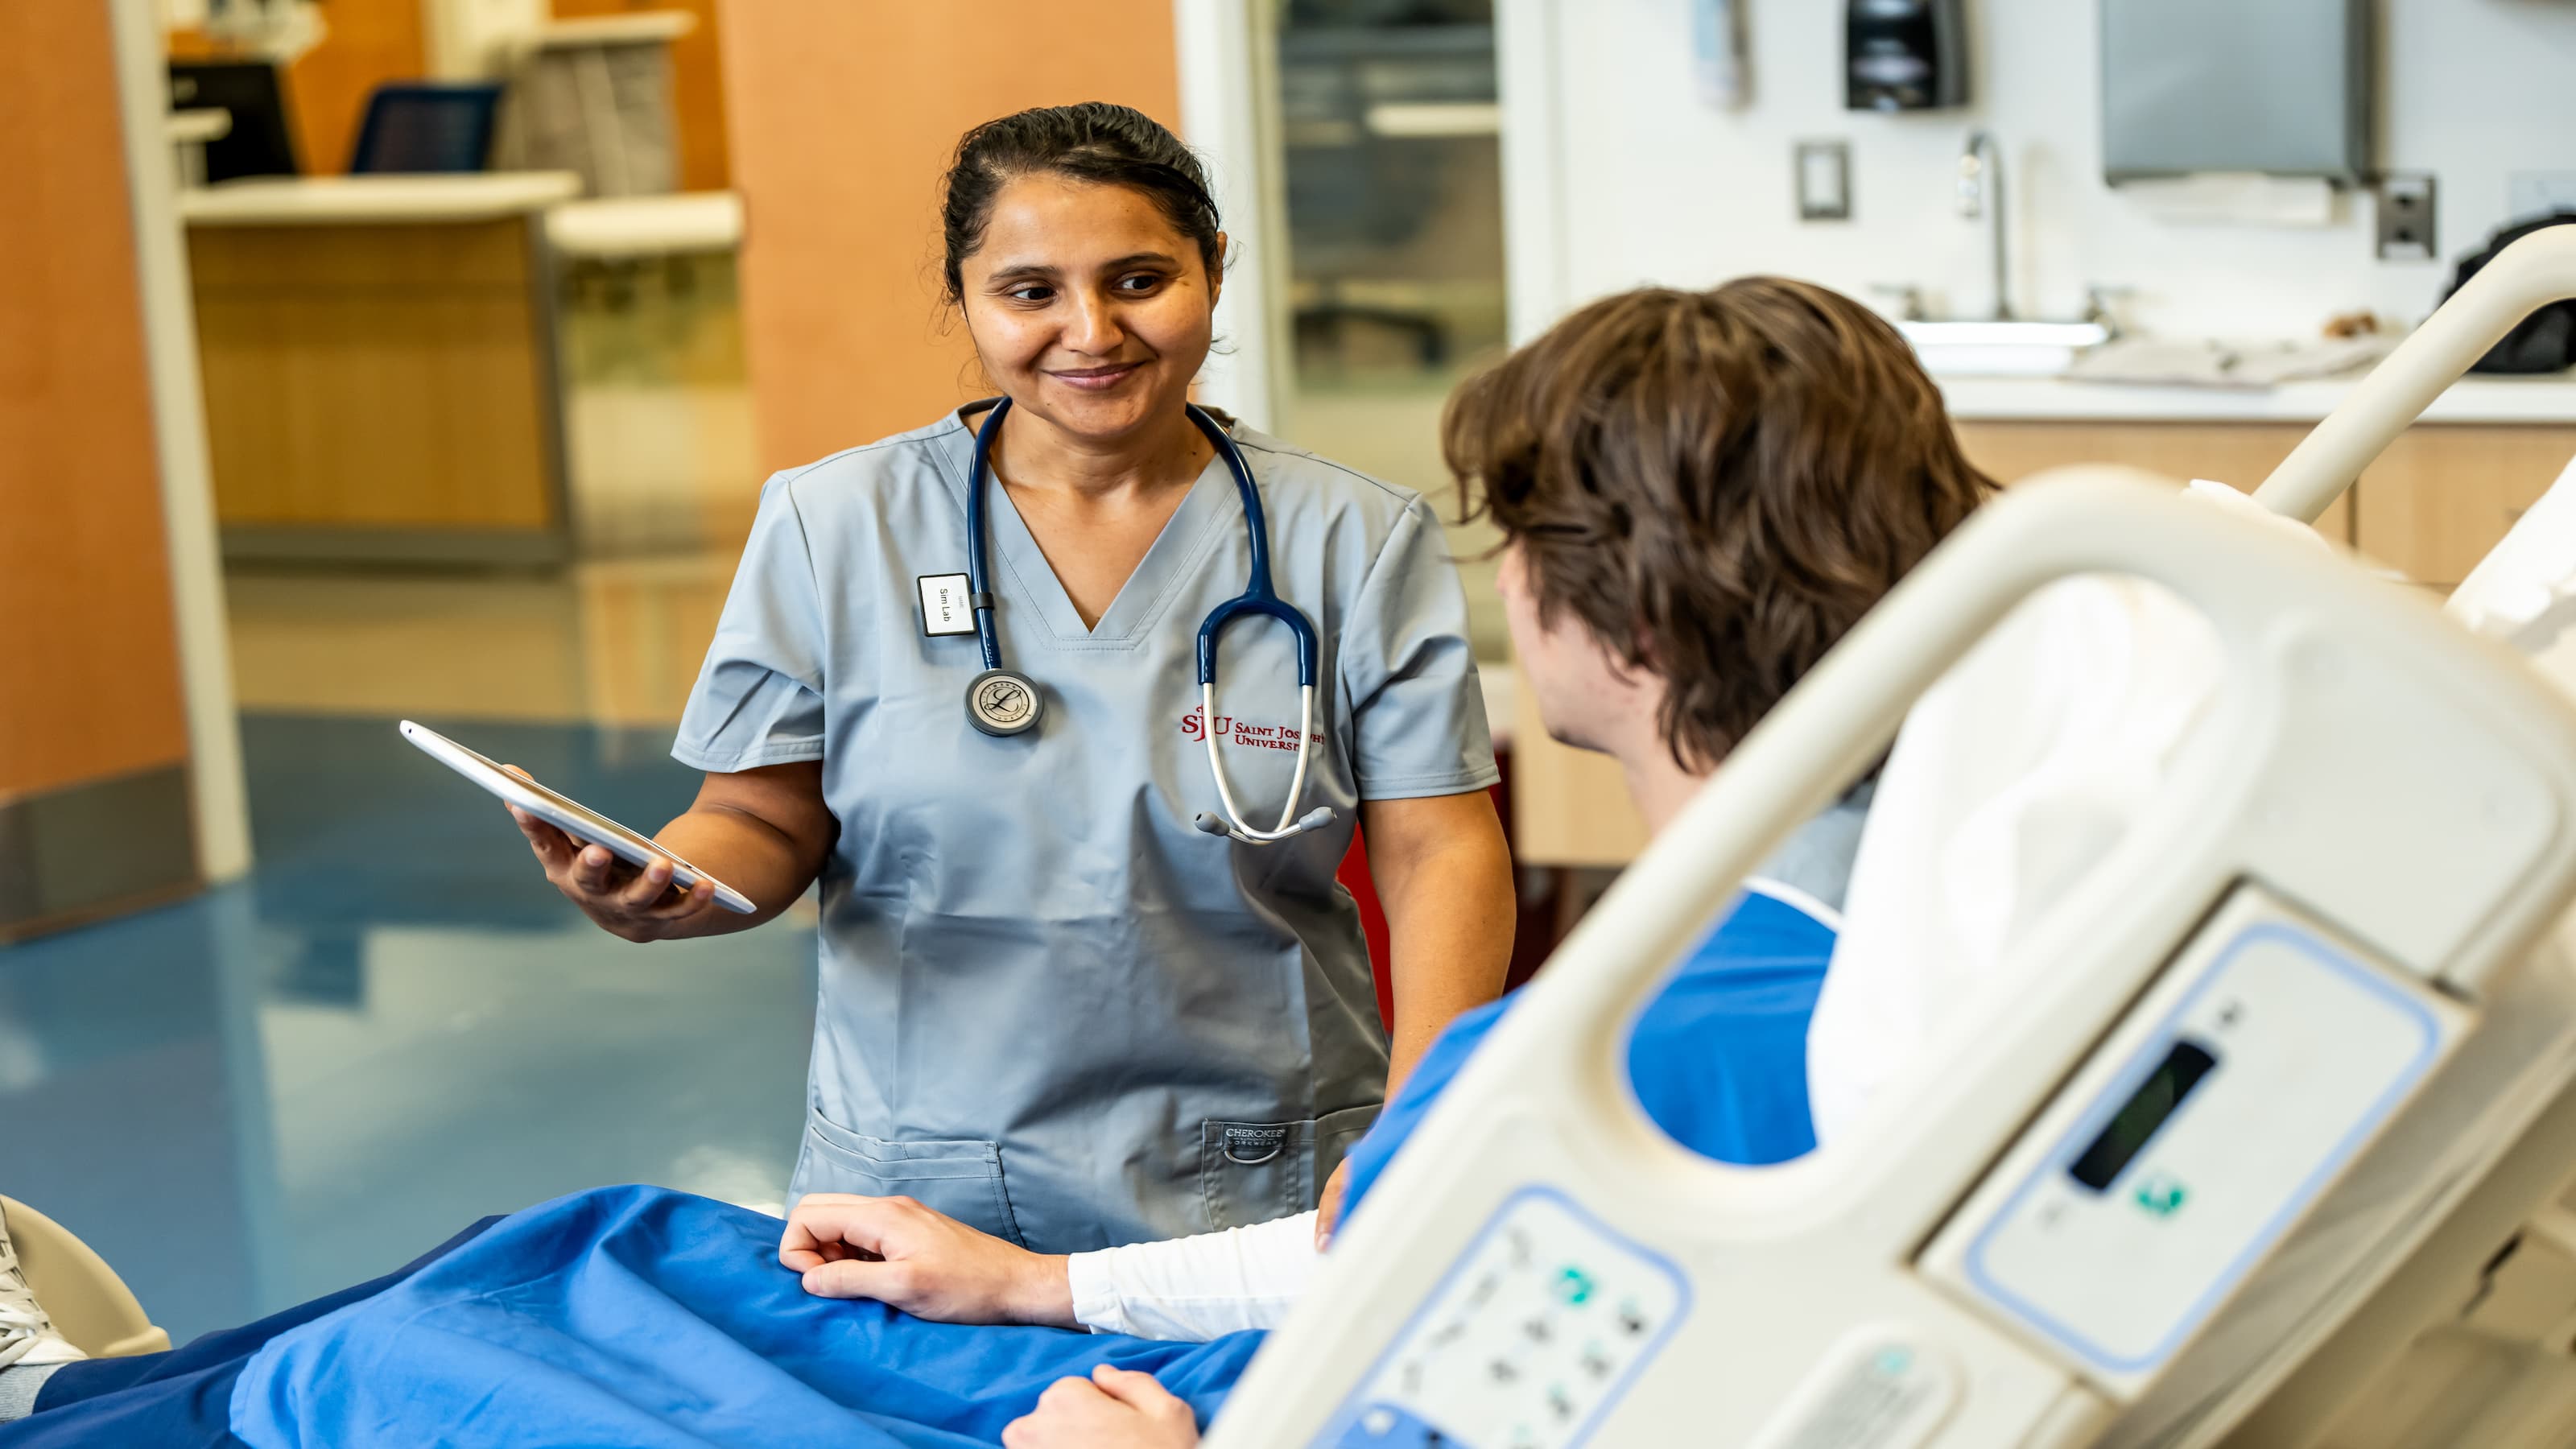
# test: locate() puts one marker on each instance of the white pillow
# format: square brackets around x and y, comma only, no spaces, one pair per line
[2011,777]
[2524,591]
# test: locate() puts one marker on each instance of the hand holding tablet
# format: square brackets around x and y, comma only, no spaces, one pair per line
[582,849]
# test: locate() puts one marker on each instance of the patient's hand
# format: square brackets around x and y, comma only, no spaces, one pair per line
[1328,1208]
[924,1262]
[1115,1408]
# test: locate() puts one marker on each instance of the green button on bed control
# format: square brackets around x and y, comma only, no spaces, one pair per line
[2160,1195]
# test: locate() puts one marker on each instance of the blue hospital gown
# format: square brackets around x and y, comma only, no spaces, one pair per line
[641,1317]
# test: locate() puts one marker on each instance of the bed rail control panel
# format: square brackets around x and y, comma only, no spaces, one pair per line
[1881,1387]
[1535,1331]
[2245,1083]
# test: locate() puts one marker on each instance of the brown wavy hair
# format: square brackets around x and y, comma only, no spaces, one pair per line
[1717,484]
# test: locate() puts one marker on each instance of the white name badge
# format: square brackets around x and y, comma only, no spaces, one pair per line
[947,605]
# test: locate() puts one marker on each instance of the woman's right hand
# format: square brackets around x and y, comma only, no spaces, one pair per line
[636,904]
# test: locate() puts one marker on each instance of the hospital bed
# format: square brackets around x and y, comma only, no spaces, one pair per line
[2276,1152]
[2308,1024]
[2278,1155]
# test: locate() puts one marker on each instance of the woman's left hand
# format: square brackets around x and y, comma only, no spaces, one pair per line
[921,1260]
[1115,1408]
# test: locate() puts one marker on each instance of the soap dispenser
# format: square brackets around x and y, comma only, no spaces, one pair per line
[1905,55]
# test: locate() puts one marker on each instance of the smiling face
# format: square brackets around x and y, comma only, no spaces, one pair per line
[1087,306]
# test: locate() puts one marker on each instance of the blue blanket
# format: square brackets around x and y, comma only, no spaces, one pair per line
[639,1317]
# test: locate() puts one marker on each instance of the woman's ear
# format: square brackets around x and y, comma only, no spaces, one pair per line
[1216,275]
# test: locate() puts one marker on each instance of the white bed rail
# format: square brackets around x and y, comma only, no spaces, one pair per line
[2520,280]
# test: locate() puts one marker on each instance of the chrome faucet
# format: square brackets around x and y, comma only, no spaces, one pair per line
[1981,193]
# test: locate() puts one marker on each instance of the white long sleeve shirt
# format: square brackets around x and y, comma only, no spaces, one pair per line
[1197,1288]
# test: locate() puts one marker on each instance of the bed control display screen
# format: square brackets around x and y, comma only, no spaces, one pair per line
[2274,1055]
[2144,1114]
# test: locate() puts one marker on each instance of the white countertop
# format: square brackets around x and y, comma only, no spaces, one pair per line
[638,28]
[2499,399]
[343,200]
[205,123]
[641,226]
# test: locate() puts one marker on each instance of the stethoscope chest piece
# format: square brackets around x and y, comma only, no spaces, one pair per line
[1000,702]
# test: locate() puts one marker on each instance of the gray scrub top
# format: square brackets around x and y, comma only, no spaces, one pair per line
[1049,1006]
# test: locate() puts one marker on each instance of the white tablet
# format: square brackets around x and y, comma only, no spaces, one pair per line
[568,815]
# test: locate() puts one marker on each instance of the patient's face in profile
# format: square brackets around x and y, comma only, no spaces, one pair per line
[1584,698]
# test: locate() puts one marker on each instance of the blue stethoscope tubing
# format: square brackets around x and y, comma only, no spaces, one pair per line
[1258,597]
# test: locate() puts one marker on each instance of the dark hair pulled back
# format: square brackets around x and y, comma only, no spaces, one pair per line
[1095,141]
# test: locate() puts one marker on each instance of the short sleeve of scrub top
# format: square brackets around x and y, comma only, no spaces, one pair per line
[1049,1006]
[759,698]
[1410,673]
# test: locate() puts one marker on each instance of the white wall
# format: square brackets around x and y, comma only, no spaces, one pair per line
[1651,184]
[218,791]
[1233,123]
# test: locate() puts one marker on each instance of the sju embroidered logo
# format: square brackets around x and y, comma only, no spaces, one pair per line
[1244,733]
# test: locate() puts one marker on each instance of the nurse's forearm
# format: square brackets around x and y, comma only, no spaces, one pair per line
[1445,878]
[744,852]
[762,831]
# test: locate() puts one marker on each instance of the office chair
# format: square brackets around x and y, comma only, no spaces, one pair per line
[414,127]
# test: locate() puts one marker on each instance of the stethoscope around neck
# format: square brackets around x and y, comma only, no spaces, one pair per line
[1003,701]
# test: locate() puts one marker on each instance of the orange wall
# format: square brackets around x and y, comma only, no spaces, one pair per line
[89,672]
[369,43]
[697,84]
[843,113]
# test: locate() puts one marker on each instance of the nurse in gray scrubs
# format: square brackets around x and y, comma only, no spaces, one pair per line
[1051,1007]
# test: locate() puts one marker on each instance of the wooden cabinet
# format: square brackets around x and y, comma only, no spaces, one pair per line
[382,389]
[2441,496]
[2240,454]
[2430,507]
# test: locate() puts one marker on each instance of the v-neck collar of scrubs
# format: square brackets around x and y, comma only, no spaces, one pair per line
[1020,564]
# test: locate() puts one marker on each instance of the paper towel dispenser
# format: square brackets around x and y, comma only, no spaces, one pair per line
[2277,86]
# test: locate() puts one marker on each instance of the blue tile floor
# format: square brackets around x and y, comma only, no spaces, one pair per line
[393,1027]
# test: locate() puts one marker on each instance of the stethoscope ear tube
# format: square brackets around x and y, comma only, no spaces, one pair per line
[1289,823]
[979,587]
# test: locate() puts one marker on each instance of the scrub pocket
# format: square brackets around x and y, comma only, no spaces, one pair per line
[1256,1172]
[958,1176]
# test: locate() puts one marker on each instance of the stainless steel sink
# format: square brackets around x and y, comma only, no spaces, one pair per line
[2003,345]
[2001,349]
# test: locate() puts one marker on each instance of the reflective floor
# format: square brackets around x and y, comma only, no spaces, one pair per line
[395,1026]
[392,1028]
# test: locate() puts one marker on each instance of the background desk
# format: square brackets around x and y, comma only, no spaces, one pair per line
[379,360]
[2430,507]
